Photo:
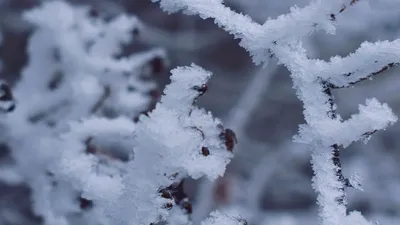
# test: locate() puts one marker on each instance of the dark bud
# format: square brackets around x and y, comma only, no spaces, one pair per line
[90,149]
[187,206]
[201,89]
[85,204]
[165,193]
[5,92]
[11,108]
[135,32]
[205,151]
[353,2]
[55,81]
[157,65]
[94,13]
[155,94]
[168,205]
[230,139]
[7,97]
[333,17]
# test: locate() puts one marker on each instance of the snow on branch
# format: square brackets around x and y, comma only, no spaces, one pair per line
[76,165]
[256,38]
[179,140]
[369,60]
[372,117]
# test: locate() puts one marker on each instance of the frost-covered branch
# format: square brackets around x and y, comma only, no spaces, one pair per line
[324,130]
[255,38]
[175,157]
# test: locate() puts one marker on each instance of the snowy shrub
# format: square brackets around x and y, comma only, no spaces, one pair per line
[76,137]
[96,143]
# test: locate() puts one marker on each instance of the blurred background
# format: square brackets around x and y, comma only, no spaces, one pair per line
[269,180]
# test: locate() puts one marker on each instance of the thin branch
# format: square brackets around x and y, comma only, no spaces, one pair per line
[103,98]
[335,148]
[383,69]
[344,7]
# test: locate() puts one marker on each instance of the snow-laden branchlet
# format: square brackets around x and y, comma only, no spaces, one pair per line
[168,147]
